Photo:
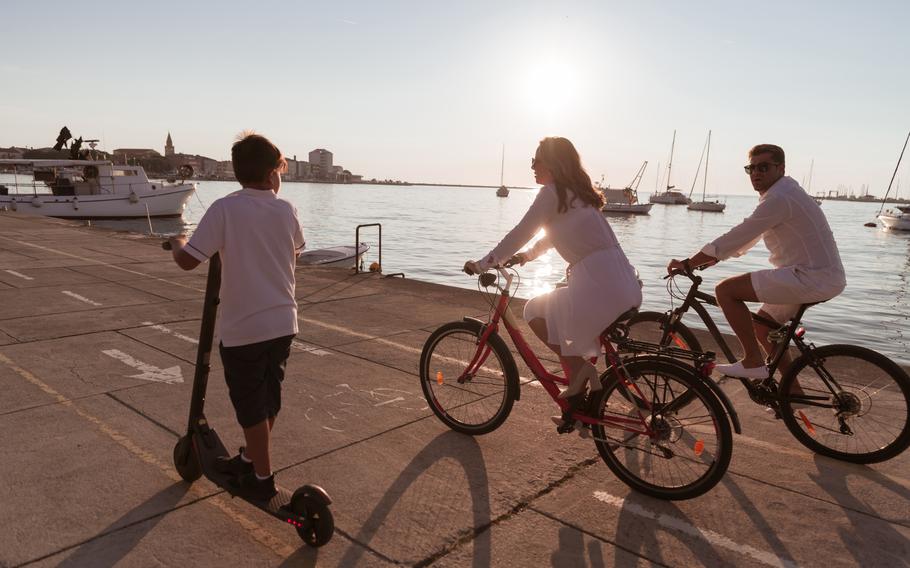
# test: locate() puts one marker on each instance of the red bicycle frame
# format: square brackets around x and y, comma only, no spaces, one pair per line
[549,381]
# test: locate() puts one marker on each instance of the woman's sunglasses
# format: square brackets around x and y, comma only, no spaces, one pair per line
[762,167]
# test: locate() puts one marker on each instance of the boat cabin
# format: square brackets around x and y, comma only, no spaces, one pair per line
[74,177]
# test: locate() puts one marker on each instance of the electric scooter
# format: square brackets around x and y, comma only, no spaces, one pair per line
[307,508]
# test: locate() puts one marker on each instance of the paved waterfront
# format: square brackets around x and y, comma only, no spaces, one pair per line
[97,334]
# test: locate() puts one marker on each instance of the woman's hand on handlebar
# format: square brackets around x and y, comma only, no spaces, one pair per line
[520,259]
[471,268]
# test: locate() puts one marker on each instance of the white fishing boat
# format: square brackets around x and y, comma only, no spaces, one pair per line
[503,191]
[705,204]
[625,200]
[896,220]
[88,189]
[669,196]
[345,256]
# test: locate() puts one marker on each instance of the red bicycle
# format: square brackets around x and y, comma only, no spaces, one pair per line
[656,445]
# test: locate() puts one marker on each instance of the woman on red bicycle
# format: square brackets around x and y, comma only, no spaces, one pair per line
[602,284]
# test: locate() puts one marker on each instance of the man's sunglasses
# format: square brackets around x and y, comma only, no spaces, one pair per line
[762,167]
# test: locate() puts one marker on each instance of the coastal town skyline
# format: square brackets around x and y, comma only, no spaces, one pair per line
[425,93]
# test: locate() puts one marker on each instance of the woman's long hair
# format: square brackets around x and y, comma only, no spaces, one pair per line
[559,156]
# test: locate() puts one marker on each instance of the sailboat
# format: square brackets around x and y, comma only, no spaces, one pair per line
[503,191]
[625,200]
[809,185]
[669,196]
[704,204]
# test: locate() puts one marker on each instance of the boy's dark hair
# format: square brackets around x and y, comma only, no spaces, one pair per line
[777,153]
[254,157]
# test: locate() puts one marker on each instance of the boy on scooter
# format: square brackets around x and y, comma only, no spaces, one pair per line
[258,237]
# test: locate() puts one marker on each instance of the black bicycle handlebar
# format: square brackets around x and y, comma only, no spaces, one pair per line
[515,259]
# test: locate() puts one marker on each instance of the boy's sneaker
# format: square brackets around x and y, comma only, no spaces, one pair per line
[248,486]
[235,466]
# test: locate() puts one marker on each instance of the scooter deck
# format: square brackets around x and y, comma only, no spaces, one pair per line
[210,447]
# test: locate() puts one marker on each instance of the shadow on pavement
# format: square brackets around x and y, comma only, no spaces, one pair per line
[131,528]
[890,546]
[448,445]
[571,550]
[636,532]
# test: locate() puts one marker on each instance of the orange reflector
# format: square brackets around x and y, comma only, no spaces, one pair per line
[678,341]
[699,447]
[439,377]
[808,424]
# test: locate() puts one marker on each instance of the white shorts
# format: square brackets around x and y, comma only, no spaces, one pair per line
[784,290]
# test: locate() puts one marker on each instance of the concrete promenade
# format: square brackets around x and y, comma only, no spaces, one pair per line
[97,351]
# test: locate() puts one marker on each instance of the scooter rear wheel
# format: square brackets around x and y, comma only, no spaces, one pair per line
[319,524]
[186,461]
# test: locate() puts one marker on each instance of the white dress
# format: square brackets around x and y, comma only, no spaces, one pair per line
[602,284]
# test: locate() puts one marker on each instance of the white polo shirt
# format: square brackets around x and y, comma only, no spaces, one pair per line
[794,229]
[259,237]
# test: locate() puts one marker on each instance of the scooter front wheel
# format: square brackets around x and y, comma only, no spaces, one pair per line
[313,507]
[186,461]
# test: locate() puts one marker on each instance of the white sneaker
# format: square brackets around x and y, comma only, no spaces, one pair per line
[740,372]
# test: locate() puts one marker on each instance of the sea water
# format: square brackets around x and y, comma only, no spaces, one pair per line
[428,232]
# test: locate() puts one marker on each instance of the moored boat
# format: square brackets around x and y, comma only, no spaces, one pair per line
[345,256]
[625,200]
[705,204]
[89,189]
[669,196]
[503,191]
[896,220]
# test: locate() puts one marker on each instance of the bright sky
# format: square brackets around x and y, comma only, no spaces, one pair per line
[430,90]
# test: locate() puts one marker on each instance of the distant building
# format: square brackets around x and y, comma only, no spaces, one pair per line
[168,146]
[12,153]
[200,164]
[124,155]
[225,170]
[321,163]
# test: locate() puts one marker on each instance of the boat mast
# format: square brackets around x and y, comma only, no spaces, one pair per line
[698,169]
[670,164]
[657,179]
[502,164]
[704,187]
[809,185]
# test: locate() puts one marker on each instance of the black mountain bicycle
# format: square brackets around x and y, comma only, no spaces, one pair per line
[841,401]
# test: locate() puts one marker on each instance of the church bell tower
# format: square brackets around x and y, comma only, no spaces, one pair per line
[168,146]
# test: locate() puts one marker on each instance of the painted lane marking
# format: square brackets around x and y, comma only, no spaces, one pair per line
[93,262]
[679,525]
[390,401]
[307,348]
[170,375]
[257,531]
[20,275]
[170,331]
[80,298]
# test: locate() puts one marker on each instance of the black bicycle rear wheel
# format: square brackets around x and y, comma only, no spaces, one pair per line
[475,404]
[690,445]
[648,326]
[864,417]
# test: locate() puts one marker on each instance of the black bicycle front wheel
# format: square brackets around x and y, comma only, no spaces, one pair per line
[475,403]
[848,403]
[652,443]
[649,326]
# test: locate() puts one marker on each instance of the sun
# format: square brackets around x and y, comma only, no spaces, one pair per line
[552,86]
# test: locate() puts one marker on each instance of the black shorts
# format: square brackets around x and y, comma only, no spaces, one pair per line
[253,374]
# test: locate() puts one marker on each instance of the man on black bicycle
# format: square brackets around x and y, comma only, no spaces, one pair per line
[807,265]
